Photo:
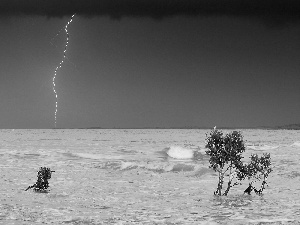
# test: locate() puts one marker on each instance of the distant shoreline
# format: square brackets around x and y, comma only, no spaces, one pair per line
[283,127]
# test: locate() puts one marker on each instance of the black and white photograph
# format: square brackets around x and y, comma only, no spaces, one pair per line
[149,112]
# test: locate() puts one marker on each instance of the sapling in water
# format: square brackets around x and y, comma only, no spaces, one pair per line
[225,155]
[42,184]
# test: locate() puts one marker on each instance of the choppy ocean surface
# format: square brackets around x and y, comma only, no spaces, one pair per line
[140,177]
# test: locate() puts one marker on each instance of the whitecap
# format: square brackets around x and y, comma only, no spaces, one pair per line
[178,152]
[262,147]
[297,143]
[157,166]
[128,165]
[266,220]
[150,166]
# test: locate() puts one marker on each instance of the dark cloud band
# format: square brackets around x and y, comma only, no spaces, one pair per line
[278,10]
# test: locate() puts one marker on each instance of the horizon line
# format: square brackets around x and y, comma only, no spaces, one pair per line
[295,126]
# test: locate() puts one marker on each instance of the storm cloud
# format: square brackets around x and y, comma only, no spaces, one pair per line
[278,11]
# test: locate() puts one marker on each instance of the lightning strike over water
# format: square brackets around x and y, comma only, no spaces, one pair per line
[59,66]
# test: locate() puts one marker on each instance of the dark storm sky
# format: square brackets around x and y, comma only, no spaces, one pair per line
[150,63]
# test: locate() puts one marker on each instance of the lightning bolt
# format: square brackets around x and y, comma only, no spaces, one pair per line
[59,66]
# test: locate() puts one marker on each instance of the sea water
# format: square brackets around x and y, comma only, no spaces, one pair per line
[140,177]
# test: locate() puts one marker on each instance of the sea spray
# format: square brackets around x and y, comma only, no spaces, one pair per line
[178,152]
[181,153]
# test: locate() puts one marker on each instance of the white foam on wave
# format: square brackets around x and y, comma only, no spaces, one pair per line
[178,152]
[262,147]
[266,220]
[95,156]
[154,166]
[128,165]
[297,143]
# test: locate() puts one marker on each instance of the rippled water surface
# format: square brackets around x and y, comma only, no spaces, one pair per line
[140,177]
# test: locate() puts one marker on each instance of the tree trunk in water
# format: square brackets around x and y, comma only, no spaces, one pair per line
[228,187]
[220,184]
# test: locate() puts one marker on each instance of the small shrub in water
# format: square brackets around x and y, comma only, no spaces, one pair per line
[42,184]
[258,169]
[225,158]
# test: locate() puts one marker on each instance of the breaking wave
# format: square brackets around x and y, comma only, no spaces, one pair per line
[120,163]
[297,143]
[155,166]
[262,147]
[178,152]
